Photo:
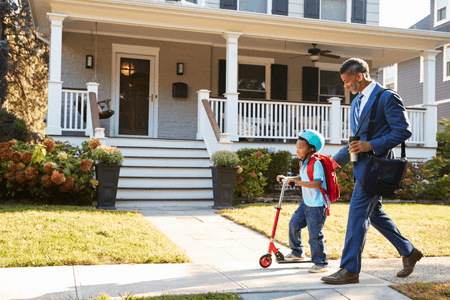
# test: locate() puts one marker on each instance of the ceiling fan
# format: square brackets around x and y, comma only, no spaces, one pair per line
[315,53]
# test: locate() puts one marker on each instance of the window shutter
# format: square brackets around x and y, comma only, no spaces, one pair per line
[312,9]
[280,7]
[228,4]
[359,10]
[278,82]
[310,84]
[222,77]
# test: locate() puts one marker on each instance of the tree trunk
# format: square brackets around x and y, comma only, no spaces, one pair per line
[3,60]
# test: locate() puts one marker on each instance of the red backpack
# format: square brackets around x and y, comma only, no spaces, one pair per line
[332,183]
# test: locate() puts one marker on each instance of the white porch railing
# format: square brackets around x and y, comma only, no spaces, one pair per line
[283,120]
[75,110]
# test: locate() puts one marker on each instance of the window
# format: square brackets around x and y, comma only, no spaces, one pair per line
[330,85]
[390,77]
[334,10]
[259,6]
[254,77]
[446,61]
[440,12]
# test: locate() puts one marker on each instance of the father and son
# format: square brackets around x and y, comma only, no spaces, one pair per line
[391,128]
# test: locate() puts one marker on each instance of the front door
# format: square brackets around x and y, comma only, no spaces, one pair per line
[135,91]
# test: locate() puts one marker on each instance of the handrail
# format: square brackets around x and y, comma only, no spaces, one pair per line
[212,120]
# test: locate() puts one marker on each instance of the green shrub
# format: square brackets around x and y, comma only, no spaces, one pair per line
[11,127]
[225,158]
[443,139]
[279,165]
[250,180]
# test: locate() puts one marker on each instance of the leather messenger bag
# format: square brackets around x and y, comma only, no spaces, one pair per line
[383,176]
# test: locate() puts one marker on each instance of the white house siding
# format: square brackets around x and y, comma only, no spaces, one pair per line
[177,117]
[373,12]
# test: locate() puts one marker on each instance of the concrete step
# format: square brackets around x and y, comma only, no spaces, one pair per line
[163,152]
[168,182]
[166,161]
[164,194]
[162,172]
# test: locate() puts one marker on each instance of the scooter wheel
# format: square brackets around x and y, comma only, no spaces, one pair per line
[265,260]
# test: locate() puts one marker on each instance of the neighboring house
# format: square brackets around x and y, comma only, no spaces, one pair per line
[253,60]
[406,76]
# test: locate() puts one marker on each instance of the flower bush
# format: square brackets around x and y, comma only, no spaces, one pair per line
[50,172]
[225,158]
[250,181]
[107,155]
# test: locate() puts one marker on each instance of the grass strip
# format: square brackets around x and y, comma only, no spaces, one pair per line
[32,235]
[424,291]
[208,296]
[426,226]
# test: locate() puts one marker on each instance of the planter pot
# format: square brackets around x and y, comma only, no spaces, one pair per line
[108,179]
[223,186]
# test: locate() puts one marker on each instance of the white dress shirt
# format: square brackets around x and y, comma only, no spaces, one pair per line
[366,94]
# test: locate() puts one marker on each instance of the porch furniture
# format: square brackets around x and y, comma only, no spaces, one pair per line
[105,110]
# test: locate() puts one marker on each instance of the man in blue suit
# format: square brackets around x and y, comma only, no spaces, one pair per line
[391,129]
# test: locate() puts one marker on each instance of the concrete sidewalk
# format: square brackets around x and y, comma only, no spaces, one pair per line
[226,259]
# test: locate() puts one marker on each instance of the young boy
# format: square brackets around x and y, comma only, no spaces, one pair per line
[312,211]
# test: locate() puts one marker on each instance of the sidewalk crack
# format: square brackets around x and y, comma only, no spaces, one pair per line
[224,274]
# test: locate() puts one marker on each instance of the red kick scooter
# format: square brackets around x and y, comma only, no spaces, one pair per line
[266,260]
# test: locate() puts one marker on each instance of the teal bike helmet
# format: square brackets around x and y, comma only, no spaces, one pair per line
[313,137]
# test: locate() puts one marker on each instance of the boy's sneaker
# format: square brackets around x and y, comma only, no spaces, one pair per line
[292,257]
[318,269]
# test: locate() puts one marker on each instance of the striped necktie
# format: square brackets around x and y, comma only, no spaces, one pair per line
[356,111]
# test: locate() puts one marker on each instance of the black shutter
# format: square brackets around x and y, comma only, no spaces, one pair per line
[278,82]
[359,11]
[222,77]
[228,4]
[280,7]
[310,86]
[312,9]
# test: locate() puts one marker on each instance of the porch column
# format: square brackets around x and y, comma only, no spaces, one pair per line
[429,97]
[91,87]
[201,113]
[231,106]
[335,125]
[54,82]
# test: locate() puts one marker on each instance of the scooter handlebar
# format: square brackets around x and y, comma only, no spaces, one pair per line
[291,184]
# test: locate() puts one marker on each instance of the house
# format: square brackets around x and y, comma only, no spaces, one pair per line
[267,70]
[406,76]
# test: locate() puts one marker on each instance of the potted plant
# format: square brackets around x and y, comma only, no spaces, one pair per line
[107,168]
[224,177]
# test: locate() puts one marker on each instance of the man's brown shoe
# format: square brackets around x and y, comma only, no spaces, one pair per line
[342,277]
[409,262]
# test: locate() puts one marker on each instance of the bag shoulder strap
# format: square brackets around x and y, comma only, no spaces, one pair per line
[373,114]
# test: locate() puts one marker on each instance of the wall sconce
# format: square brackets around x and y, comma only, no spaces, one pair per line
[89,62]
[180,68]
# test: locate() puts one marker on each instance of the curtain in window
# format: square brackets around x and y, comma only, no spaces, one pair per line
[333,10]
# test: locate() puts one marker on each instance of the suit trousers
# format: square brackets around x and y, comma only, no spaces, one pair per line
[365,209]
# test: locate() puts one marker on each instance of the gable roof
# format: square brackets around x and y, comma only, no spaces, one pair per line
[424,24]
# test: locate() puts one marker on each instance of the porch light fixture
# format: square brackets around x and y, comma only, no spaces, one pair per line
[127,68]
[180,68]
[314,58]
[89,62]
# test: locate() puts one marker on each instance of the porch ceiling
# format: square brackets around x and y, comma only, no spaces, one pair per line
[162,21]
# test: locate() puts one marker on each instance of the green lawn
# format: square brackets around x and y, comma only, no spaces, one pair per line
[426,226]
[32,235]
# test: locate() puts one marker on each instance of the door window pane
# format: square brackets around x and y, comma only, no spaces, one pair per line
[252,82]
[333,10]
[259,6]
[330,85]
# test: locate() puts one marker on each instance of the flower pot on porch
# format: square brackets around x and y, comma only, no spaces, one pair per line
[223,186]
[108,179]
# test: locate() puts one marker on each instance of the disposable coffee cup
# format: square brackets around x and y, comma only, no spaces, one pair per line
[353,156]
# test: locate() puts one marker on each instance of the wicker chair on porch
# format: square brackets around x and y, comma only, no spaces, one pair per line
[105,110]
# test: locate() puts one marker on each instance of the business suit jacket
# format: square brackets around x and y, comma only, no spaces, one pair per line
[391,129]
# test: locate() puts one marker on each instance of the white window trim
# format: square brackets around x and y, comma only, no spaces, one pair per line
[395,77]
[268,7]
[200,3]
[332,67]
[444,61]
[259,61]
[436,22]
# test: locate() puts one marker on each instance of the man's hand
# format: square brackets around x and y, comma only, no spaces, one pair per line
[360,146]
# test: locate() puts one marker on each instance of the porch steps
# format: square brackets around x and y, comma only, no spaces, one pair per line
[163,170]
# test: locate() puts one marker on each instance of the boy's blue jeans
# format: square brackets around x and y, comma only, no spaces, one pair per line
[314,218]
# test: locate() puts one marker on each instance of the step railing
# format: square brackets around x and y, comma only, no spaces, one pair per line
[75,111]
